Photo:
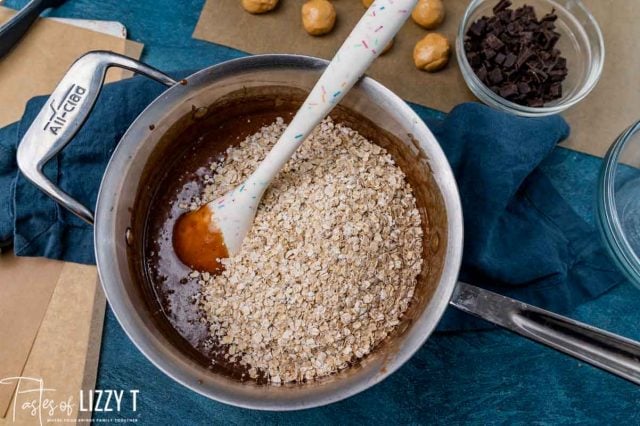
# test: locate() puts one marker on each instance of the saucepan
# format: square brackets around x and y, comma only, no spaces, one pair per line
[270,80]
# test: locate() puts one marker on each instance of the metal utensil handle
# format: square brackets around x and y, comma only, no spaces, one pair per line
[13,30]
[608,351]
[64,114]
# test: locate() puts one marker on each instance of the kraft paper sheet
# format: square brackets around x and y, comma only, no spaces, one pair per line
[51,312]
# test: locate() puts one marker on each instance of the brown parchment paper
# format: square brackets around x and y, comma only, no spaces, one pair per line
[27,285]
[280,31]
[24,297]
[595,122]
[60,350]
[615,102]
[39,61]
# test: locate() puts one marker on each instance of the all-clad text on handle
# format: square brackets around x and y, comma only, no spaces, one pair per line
[63,115]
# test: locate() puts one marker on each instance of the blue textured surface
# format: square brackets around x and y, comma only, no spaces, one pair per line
[479,377]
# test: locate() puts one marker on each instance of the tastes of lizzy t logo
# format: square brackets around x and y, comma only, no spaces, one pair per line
[33,400]
[60,113]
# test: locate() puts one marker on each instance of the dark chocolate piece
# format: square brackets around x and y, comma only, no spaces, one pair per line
[482,74]
[510,60]
[535,102]
[475,59]
[524,56]
[478,27]
[488,54]
[493,42]
[502,5]
[555,90]
[495,76]
[524,88]
[508,91]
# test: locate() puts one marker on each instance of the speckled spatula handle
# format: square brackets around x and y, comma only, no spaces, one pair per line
[374,31]
[234,212]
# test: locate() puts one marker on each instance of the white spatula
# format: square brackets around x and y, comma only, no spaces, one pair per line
[228,219]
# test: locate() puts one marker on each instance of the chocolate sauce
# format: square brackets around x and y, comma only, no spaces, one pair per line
[176,291]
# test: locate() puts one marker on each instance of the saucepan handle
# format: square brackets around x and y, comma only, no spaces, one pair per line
[608,351]
[13,30]
[63,115]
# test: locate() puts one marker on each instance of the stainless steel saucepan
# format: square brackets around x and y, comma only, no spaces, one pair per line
[373,110]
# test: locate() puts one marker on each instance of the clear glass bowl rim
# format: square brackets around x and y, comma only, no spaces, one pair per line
[607,214]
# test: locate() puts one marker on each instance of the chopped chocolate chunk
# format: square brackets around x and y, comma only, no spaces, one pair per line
[515,54]
[561,62]
[488,54]
[524,56]
[478,27]
[482,74]
[496,27]
[555,90]
[526,37]
[475,59]
[550,17]
[510,60]
[495,76]
[508,90]
[538,74]
[535,102]
[504,16]
[557,75]
[551,39]
[493,42]
[502,5]
[524,88]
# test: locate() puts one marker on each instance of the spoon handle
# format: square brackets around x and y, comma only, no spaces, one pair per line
[372,33]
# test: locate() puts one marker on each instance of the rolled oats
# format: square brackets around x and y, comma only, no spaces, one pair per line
[330,264]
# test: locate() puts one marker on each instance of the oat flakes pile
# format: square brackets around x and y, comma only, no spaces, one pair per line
[330,264]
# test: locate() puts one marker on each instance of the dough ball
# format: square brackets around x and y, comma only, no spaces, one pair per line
[428,13]
[367,3]
[259,6]
[318,17]
[432,52]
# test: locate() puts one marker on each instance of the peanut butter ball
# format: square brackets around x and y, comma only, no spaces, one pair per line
[259,6]
[428,13]
[367,3]
[318,17]
[432,52]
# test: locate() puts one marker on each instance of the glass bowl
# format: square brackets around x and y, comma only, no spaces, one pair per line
[580,42]
[619,202]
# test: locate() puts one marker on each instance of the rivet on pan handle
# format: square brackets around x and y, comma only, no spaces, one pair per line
[65,112]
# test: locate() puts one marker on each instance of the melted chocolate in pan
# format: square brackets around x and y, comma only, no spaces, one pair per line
[175,174]
[175,290]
